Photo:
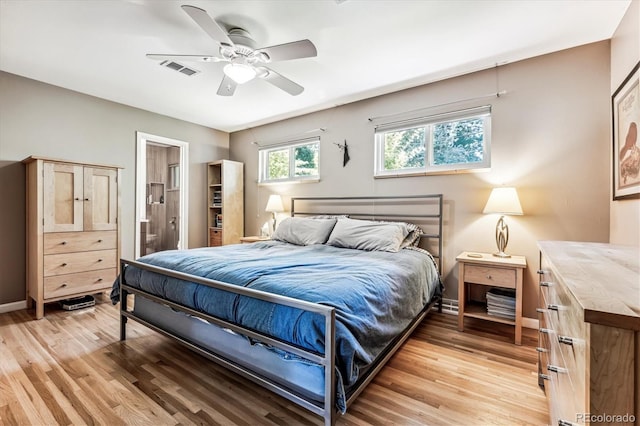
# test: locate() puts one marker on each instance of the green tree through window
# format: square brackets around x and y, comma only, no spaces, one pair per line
[278,164]
[458,142]
[306,158]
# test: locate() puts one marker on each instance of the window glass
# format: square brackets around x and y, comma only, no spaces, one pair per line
[404,149]
[278,164]
[457,142]
[306,160]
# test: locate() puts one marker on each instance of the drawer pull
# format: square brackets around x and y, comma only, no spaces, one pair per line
[99,280]
[63,243]
[77,199]
[543,376]
[565,340]
[545,330]
[545,284]
[553,307]
[63,265]
[99,260]
[64,285]
[541,350]
[541,310]
[489,276]
[556,369]
[99,241]
[86,199]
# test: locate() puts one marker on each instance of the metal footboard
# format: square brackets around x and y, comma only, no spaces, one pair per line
[327,360]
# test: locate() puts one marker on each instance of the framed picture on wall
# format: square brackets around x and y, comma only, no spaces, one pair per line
[625,104]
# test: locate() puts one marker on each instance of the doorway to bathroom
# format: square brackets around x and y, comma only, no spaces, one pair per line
[161,194]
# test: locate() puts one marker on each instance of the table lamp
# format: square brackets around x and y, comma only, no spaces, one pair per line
[503,201]
[274,205]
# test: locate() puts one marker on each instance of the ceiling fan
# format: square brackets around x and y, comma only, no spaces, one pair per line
[245,60]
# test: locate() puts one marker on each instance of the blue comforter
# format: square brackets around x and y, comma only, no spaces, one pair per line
[376,294]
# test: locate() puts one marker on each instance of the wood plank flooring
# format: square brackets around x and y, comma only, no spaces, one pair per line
[71,368]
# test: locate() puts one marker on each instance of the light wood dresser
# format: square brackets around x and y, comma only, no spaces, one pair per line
[589,341]
[73,231]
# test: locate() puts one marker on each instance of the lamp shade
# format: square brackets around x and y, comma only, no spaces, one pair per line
[503,201]
[274,204]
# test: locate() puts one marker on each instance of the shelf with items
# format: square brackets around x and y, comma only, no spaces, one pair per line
[155,193]
[215,198]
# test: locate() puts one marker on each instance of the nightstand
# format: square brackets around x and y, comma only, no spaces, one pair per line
[253,239]
[477,274]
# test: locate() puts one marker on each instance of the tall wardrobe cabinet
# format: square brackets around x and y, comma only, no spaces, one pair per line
[73,231]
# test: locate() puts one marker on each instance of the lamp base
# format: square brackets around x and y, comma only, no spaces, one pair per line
[502,255]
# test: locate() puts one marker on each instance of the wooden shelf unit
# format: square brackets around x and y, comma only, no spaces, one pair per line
[225,202]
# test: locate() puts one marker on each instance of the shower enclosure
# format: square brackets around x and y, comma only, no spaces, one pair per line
[160,230]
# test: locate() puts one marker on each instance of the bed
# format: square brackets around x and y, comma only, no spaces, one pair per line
[312,314]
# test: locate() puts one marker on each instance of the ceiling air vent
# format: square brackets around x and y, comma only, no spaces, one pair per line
[179,67]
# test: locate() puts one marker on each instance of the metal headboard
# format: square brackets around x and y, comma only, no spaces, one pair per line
[422,210]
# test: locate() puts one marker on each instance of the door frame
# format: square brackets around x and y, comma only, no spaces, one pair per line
[142,140]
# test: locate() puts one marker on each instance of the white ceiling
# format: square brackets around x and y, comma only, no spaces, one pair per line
[365,47]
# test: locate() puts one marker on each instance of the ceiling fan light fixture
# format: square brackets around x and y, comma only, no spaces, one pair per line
[240,73]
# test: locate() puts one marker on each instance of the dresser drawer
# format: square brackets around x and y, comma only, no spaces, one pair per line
[82,282]
[490,276]
[69,242]
[69,263]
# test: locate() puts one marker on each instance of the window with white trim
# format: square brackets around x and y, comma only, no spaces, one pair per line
[443,143]
[290,162]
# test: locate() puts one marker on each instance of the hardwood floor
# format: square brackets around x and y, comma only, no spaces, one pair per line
[71,368]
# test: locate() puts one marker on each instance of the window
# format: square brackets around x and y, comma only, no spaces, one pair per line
[295,161]
[444,143]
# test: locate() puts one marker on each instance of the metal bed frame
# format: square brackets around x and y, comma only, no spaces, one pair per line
[326,409]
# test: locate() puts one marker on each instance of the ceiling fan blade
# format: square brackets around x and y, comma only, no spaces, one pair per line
[280,81]
[227,87]
[294,50]
[193,58]
[207,23]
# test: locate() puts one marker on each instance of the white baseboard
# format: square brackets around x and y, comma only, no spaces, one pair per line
[450,306]
[13,306]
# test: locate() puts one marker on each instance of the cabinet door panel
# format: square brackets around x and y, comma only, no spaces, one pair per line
[101,199]
[63,194]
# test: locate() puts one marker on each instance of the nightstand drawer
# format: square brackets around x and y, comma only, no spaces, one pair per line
[490,276]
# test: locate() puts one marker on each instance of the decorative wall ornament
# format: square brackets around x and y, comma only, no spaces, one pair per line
[345,152]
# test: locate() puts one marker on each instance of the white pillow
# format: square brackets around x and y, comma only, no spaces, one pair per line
[368,235]
[304,231]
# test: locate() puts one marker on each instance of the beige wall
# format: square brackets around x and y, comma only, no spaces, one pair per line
[40,119]
[625,54]
[550,140]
